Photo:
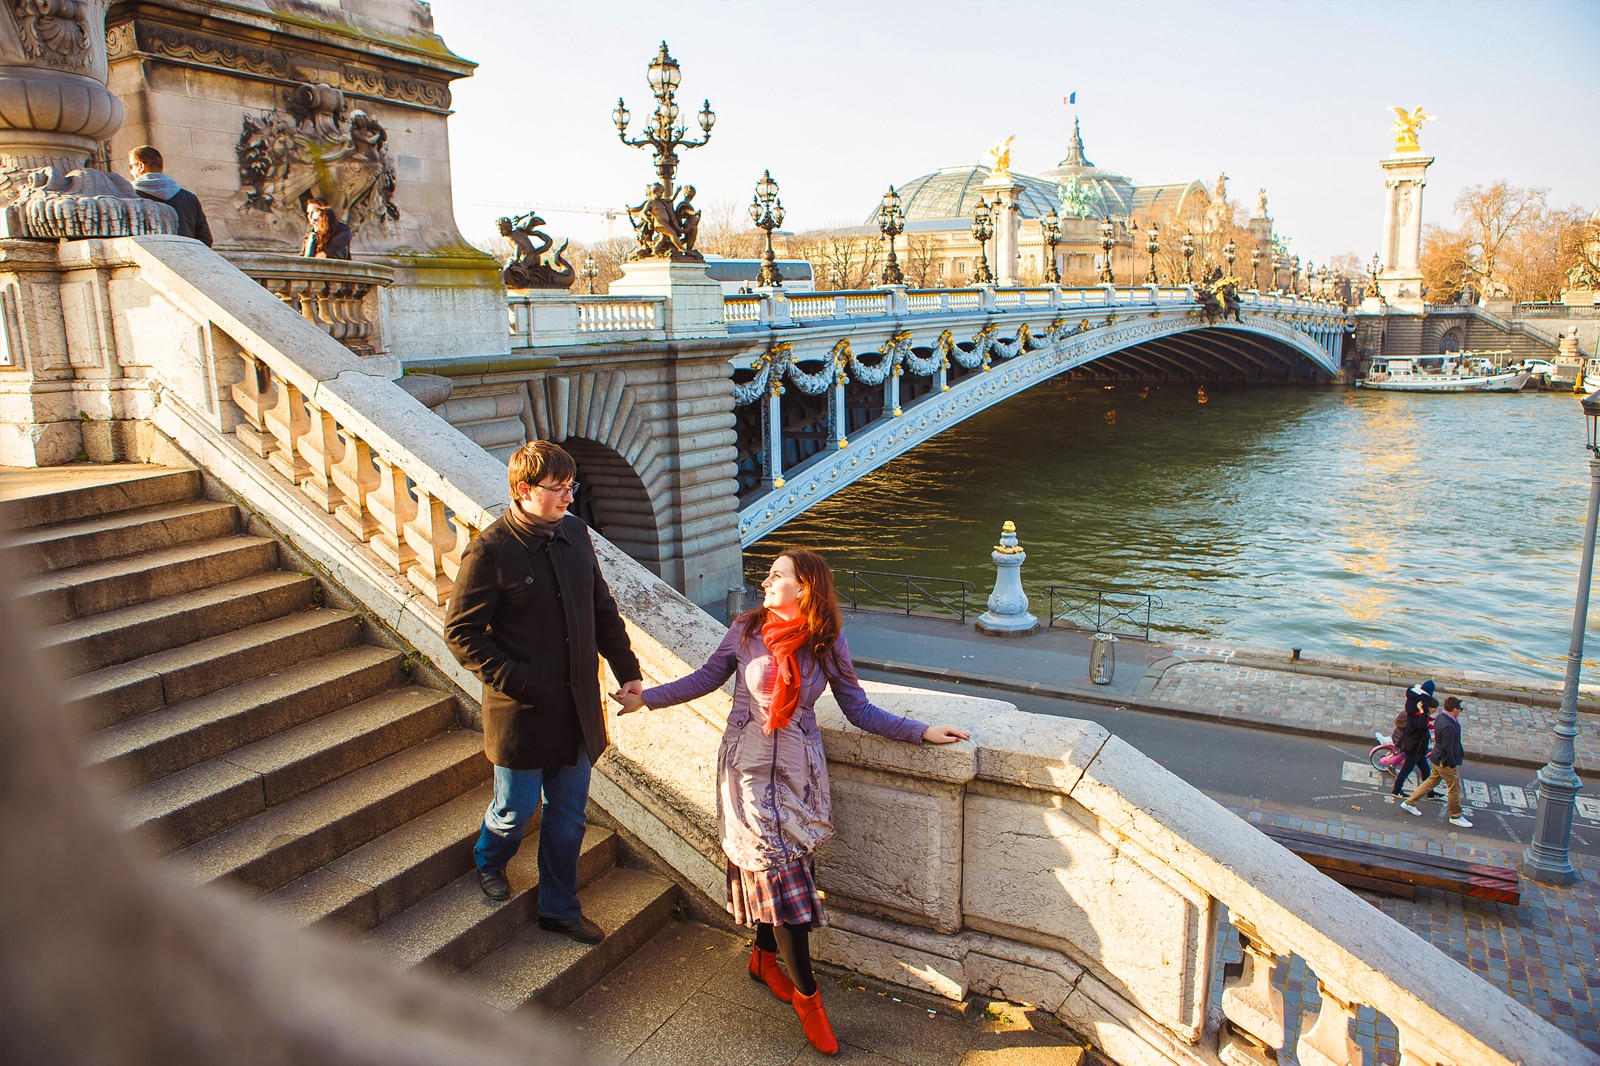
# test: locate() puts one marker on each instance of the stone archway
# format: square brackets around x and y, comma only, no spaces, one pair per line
[615,502]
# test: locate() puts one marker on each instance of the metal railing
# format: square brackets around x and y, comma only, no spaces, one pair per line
[1102,610]
[908,594]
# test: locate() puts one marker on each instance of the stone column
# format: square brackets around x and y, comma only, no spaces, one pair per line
[1007,615]
[1401,280]
[1002,189]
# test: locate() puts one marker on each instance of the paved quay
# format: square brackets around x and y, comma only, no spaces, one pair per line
[1509,720]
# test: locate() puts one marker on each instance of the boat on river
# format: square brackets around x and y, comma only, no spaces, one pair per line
[1409,375]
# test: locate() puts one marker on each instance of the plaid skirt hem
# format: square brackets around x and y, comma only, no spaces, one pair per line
[783,895]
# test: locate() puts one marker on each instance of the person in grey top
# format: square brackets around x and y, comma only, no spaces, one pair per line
[773,806]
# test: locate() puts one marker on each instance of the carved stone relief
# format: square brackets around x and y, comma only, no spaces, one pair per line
[54,31]
[318,146]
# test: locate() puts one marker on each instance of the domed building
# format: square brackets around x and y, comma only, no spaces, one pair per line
[939,208]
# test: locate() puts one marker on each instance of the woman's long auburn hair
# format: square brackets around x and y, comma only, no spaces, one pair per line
[819,606]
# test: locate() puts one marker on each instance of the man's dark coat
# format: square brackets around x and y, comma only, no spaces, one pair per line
[530,617]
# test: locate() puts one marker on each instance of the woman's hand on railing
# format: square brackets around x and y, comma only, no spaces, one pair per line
[944,734]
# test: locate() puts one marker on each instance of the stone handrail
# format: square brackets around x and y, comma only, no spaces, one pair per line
[345,299]
[1046,861]
[541,317]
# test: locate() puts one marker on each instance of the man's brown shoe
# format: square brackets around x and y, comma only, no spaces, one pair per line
[580,929]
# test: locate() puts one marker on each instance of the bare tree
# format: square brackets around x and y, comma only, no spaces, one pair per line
[918,261]
[725,230]
[1495,215]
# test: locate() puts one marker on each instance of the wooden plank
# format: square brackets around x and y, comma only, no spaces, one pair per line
[1385,869]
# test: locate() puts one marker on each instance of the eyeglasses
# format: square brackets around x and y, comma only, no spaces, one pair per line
[569,491]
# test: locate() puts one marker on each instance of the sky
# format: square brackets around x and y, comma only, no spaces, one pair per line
[841,99]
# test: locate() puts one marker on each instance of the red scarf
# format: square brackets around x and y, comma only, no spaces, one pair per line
[783,639]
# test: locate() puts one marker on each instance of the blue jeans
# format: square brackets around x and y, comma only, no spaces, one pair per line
[516,796]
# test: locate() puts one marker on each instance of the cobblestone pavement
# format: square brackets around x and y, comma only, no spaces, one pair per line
[1541,952]
[1255,696]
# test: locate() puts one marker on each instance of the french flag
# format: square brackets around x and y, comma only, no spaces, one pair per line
[1070,98]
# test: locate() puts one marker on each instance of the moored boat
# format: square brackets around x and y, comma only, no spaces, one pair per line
[1408,375]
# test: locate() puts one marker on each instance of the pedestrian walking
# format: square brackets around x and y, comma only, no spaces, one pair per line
[530,616]
[150,181]
[1448,755]
[1411,738]
[773,806]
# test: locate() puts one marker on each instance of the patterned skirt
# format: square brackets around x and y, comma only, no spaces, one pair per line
[783,895]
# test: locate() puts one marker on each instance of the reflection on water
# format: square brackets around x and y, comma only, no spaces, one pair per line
[1437,530]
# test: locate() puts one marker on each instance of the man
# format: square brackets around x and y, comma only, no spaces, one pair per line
[530,616]
[1447,756]
[151,182]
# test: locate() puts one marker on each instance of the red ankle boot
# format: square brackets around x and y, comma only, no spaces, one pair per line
[764,967]
[815,1022]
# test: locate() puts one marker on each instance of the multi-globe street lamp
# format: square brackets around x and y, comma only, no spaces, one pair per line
[1294,275]
[1230,252]
[590,271]
[1277,261]
[892,221]
[1107,239]
[1152,244]
[1255,269]
[1186,243]
[1547,858]
[664,135]
[1051,226]
[1373,271]
[766,211]
[982,231]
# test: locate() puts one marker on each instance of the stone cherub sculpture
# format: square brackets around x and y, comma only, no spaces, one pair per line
[1000,156]
[1406,125]
[665,230]
[529,269]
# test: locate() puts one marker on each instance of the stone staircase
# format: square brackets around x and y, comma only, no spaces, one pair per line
[274,743]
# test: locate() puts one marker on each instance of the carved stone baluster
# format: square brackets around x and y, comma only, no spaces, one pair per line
[356,478]
[431,538]
[332,322]
[1249,998]
[254,396]
[322,450]
[287,421]
[1414,1051]
[1325,1036]
[452,559]
[393,508]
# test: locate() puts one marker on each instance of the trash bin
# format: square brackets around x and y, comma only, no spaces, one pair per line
[1102,658]
[735,603]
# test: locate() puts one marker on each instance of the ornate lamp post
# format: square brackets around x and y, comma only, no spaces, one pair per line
[1547,857]
[1152,244]
[1277,261]
[1373,269]
[663,134]
[766,211]
[892,221]
[982,231]
[1255,269]
[1186,242]
[1322,281]
[833,277]
[1230,252]
[590,271]
[1051,226]
[1107,239]
[1294,275]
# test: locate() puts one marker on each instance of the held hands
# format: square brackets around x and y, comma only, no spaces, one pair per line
[944,734]
[630,696]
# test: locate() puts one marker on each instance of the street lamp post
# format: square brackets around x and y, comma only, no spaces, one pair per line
[1186,242]
[1277,261]
[1230,252]
[1051,226]
[766,211]
[892,221]
[1152,244]
[982,231]
[665,136]
[1294,275]
[1107,239]
[1255,269]
[590,271]
[1372,275]
[1547,857]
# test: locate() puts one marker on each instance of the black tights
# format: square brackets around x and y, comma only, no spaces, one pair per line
[793,944]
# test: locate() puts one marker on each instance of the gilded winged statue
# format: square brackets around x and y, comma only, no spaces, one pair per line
[1000,156]
[1406,125]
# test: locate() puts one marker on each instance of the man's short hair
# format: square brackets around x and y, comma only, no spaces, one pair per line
[149,155]
[537,460]
[1451,703]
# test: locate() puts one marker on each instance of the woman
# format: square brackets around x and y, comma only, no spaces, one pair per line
[328,238]
[773,807]
[1413,738]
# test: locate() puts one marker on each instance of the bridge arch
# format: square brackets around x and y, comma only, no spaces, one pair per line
[973,376]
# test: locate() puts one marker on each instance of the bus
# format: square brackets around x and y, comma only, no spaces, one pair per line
[739,275]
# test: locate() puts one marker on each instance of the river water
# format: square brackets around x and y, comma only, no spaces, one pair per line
[1441,530]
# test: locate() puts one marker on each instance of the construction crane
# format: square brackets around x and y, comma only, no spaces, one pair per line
[610,214]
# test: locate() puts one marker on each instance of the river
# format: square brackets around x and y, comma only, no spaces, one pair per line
[1444,531]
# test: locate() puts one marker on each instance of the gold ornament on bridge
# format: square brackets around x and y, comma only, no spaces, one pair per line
[1406,125]
[1000,157]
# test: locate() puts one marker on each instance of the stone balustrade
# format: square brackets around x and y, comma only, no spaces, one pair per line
[547,317]
[347,300]
[1046,861]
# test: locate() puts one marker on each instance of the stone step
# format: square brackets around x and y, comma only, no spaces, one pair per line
[271,849]
[167,678]
[116,583]
[184,807]
[186,734]
[71,493]
[380,879]
[102,640]
[551,970]
[458,925]
[96,540]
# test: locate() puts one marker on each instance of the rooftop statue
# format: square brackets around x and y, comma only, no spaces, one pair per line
[529,269]
[1000,157]
[1078,198]
[1406,125]
[1261,204]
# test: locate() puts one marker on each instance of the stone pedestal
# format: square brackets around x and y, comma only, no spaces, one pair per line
[694,301]
[1002,189]
[1405,175]
[1580,298]
[1007,615]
